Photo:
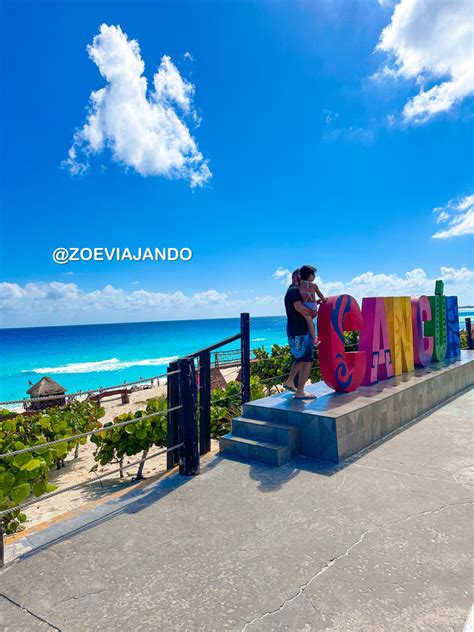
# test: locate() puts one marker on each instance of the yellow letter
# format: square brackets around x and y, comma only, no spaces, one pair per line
[400,333]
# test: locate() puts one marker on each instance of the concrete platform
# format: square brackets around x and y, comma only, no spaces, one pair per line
[382,544]
[338,425]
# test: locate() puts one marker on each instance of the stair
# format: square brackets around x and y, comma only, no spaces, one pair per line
[263,441]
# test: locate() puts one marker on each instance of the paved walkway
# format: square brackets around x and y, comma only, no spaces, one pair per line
[382,543]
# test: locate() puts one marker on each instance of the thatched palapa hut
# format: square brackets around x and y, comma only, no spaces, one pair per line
[217,379]
[46,388]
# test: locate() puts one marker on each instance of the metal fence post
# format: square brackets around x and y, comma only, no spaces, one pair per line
[188,423]
[205,402]
[245,353]
[469,333]
[2,544]
[172,457]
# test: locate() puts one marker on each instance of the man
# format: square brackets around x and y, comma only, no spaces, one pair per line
[295,278]
[299,339]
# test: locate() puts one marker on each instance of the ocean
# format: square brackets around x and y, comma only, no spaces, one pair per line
[83,357]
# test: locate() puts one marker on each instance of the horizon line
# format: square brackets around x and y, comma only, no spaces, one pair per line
[144,322]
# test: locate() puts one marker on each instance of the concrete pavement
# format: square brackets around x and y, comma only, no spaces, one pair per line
[380,542]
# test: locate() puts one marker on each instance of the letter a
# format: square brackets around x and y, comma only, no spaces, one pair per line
[374,340]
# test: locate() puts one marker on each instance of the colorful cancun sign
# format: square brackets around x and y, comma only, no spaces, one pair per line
[396,335]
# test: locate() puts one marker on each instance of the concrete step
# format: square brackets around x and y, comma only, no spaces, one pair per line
[277,415]
[269,453]
[269,432]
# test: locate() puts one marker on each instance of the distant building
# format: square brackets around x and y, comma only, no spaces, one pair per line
[46,388]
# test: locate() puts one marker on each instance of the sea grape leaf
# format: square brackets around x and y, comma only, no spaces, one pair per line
[33,464]
[39,488]
[44,422]
[20,492]
[20,459]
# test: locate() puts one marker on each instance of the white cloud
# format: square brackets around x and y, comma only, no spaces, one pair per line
[144,130]
[459,216]
[283,275]
[60,303]
[210,297]
[431,41]
[442,217]
[169,85]
[458,282]
[55,303]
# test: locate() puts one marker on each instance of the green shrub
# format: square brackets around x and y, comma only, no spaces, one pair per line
[272,368]
[114,445]
[227,404]
[27,473]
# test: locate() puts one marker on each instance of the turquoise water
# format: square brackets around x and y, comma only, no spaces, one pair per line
[91,356]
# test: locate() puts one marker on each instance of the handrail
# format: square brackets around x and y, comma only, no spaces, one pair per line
[222,343]
[204,387]
[111,426]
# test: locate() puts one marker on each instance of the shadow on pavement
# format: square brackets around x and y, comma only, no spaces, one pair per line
[271,478]
[130,503]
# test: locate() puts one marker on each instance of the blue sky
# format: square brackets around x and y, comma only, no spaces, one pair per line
[319,148]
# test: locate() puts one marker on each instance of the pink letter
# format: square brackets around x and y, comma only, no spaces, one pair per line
[375,342]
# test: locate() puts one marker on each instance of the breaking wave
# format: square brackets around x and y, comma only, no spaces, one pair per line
[113,364]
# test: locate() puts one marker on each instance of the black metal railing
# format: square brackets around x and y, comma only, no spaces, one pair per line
[470,344]
[202,401]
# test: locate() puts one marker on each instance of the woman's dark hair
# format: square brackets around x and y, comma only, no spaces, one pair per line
[307,271]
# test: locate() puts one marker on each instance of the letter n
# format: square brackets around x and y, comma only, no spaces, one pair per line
[398,310]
